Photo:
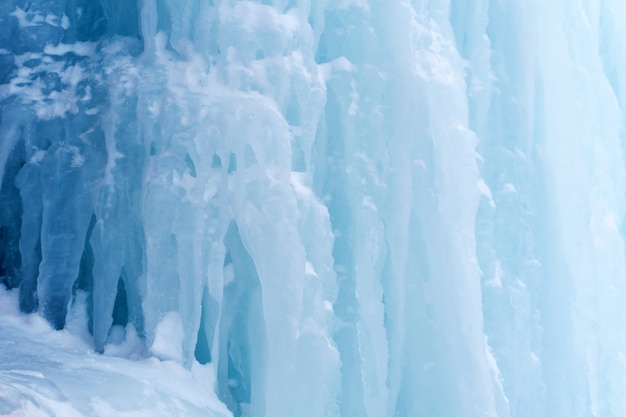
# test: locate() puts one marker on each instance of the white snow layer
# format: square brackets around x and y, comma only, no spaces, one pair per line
[48,373]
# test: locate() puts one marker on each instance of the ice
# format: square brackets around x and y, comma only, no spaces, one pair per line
[312,208]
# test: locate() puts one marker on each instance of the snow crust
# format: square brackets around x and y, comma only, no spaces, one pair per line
[48,373]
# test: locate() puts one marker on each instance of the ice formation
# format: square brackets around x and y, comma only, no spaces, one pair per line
[342,208]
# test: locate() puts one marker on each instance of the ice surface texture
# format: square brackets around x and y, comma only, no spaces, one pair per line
[349,208]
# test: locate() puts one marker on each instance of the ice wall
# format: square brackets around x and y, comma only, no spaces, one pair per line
[351,208]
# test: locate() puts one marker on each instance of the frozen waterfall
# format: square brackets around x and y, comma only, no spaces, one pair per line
[313,208]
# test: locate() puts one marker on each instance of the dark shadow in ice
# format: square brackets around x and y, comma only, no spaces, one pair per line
[242,343]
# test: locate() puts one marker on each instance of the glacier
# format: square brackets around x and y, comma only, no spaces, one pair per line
[312,208]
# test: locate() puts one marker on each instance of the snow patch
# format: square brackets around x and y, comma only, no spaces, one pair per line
[168,338]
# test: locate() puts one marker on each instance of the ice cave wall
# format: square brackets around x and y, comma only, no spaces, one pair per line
[351,208]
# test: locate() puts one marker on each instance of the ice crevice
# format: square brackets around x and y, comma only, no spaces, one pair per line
[320,208]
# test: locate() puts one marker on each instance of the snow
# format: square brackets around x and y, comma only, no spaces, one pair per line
[56,374]
[79,48]
[168,338]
